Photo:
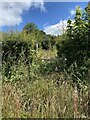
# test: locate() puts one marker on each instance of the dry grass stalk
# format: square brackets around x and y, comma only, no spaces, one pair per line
[75,102]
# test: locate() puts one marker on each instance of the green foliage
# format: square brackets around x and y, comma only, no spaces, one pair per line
[39,84]
[29,27]
[38,37]
[22,46]
[45,43]
[76,46]
[14,49]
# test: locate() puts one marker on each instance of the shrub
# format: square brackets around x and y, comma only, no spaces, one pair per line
[15,51]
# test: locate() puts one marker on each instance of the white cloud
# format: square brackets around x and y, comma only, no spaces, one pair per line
[56,29]
[72,12]
[11,12]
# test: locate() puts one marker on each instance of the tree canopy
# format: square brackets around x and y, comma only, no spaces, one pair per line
[29,27]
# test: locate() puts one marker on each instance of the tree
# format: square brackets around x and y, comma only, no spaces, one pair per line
[76,46]
[29,27]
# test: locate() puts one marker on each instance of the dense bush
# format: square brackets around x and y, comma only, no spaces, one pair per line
[45,44]
[13,51]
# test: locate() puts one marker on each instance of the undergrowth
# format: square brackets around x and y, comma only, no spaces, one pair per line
[49,93]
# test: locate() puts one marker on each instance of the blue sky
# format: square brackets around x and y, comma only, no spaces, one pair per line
[46,16]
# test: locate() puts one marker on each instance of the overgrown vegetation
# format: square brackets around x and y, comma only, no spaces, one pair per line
[75,45]
[46,76]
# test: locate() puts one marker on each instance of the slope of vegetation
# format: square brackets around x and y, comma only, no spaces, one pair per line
[46,76]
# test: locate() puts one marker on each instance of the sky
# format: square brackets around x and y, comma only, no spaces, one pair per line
[48,16]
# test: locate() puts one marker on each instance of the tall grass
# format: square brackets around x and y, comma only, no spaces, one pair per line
[48,93]
[46,96]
